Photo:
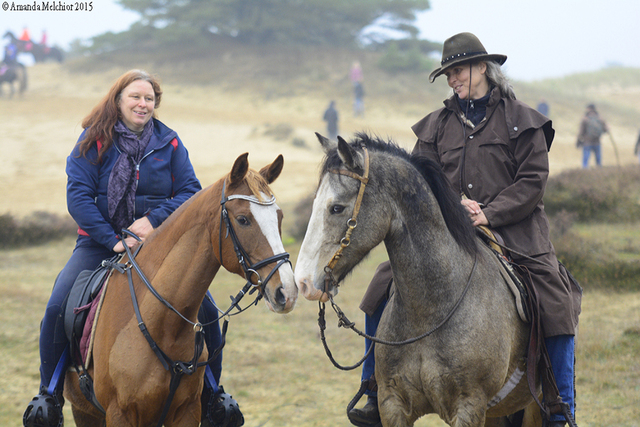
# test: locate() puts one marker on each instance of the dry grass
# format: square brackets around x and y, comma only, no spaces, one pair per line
[274,365]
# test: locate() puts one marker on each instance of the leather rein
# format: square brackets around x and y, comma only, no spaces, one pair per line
[179,368]
[343,321]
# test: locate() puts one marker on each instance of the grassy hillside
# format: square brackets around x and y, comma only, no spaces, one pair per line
[231,99]
[320,73]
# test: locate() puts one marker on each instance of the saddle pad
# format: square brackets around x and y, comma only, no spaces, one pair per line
[510,276]
[88,333]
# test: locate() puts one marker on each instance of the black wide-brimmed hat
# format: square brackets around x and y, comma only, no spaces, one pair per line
[463,47]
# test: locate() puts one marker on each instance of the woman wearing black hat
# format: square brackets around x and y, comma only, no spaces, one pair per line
[493,150]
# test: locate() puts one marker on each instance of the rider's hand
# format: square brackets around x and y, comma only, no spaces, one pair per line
[475,212]
[141,227]
[129,241]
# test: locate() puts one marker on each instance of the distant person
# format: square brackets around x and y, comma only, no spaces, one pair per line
[43,40]
[331,117]
[25,37]
[355,75]
[591,129]
[358,102]
[637,149]
[128,170]
[543,107]
[10,54]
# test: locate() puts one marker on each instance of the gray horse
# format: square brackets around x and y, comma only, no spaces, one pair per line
[471,369]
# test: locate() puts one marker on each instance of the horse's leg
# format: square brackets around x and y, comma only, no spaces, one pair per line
[499,422]
[532,416]
[84,413]
[82,419]
[392,413]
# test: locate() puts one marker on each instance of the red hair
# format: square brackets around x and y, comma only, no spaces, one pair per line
[100,122]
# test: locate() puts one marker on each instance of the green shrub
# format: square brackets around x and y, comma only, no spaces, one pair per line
[37,228]
[597,261]
[396,60]
[279,132]
[607,194]
[302,214]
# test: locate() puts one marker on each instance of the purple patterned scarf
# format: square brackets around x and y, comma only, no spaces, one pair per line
[121,191]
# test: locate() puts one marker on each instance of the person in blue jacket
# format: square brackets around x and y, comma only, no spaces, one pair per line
[128,170]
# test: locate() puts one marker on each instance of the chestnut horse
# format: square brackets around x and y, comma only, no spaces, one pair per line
[180,259]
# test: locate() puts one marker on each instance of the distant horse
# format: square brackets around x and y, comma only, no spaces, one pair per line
[447,287]
[180,259]
[44,53]
[41,53]
[11,74]
[21,45]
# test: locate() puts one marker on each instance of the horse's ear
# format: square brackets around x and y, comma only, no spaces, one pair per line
[239,169]
[327,144]
[349,156]
[272,171]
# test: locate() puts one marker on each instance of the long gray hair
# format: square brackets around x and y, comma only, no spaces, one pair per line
[496,77]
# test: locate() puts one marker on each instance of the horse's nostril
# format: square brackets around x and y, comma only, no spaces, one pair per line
[281,299]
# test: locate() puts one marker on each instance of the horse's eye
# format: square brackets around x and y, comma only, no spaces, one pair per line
[243,220]
[336,209]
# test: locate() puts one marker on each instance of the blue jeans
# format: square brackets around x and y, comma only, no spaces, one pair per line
[370,328]
[586,153]
[561,350]
[87,255]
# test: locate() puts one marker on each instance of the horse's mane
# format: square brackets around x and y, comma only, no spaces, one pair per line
[257,184]
[455,216]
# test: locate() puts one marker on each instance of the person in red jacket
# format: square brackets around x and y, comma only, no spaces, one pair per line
[25,36]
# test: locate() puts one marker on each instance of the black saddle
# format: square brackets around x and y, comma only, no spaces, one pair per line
[85,289]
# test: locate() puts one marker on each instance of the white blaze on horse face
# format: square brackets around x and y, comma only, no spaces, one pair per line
[267,218]
[310,264]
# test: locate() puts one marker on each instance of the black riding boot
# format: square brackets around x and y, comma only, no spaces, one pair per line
[44,410]
[368,416]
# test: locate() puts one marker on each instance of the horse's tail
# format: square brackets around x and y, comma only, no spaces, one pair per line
[23,77]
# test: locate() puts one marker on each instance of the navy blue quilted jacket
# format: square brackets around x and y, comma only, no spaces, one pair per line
[166,179]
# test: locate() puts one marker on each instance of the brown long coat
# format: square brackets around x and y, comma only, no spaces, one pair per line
[503,164]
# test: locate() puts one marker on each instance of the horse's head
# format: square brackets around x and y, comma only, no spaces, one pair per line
[251,245]
[334,242]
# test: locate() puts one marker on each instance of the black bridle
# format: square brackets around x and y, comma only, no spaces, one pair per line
[249,269]
[178,369]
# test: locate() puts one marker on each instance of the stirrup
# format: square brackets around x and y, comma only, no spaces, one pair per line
[364,417]
[43,411]
[221,410]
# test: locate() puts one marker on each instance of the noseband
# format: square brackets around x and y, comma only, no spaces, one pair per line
[352,222]
[243,258]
